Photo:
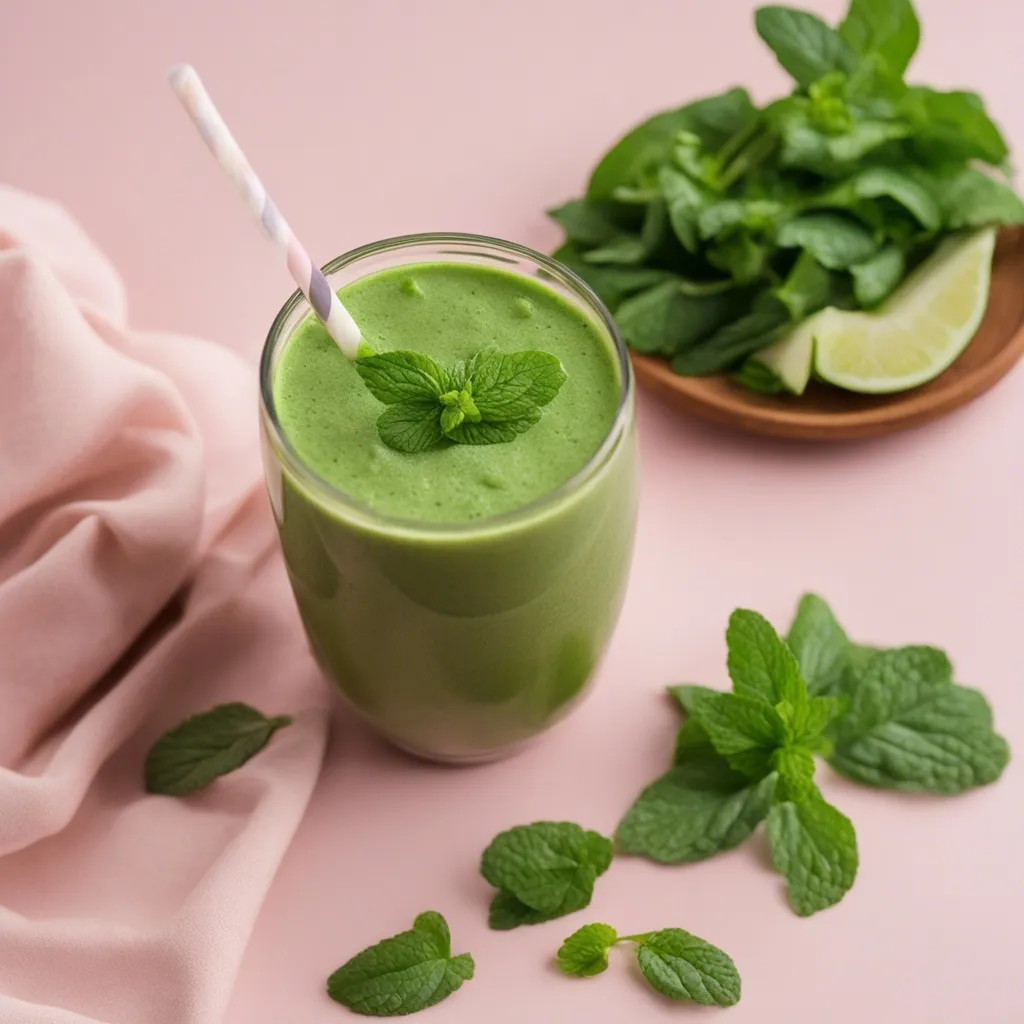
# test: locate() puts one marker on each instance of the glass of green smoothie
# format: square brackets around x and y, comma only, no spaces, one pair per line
[459,597]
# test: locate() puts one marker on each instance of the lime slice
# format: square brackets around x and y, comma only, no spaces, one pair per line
[792,357]
[921,328]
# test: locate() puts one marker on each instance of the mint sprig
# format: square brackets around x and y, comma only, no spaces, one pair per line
[543,871]
[204,747]
[403,974]
[887,718]
[489,399]
[674,962]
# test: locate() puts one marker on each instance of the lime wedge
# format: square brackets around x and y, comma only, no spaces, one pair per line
[924,325]
[792,357]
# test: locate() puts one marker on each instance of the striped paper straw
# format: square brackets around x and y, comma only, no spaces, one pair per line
[311,281]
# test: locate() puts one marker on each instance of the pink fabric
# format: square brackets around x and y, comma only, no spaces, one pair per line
[139,583]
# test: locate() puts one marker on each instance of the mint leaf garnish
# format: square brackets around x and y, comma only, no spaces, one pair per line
[815,847]
[490,399]
[394,377]
[206,746]
[686,968]
[819,644]
[697,809]
[548,868]
[403,974]
[910,727]
[585,953]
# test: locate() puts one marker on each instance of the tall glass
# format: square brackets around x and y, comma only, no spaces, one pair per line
[461,641]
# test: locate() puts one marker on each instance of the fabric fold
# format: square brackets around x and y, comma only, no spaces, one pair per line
[140,582]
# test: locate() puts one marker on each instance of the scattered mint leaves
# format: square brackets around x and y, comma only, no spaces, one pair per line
[204,747]
[686,695]
[403,974]
[490,399]
[542,871]
[585,953]
[815,847]
[745,731]
[675,963]
[910,727]
[828,196]
[687,969]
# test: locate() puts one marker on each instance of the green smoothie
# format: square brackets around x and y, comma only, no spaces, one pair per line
[460,597]
[447,311]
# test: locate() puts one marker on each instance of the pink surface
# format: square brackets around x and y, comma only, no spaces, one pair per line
[474,116]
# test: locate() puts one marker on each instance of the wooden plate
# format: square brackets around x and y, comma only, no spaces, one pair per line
[825,413]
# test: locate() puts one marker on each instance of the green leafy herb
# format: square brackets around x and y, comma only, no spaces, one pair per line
[403,974]
[834,241]
[814,846]
[490,399]
[585,953]
[820,646]
[910,727]
[542,871]
[675,963]
[699,808]
[876,278]
[685,968]
[206,746]
[804,45]
[748,221]
[886,27]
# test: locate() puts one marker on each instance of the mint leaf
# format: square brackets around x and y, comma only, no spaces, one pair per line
[795,768]
[403,974]
[804,45]
[699,808]
[587,221]
[687,694]
[886,27]
[612,284]
[490,400]
[819,644]
[910,727]
[970,199]
[206,746]
[805,723]
[952,126]
[688,969]
[834,241]
[743,730]
[808,287]
[412,427]
[644,149]
[401,376]
[876,278]
[815,847]
[665,319]
[549,867]
[761,666]
[585,953]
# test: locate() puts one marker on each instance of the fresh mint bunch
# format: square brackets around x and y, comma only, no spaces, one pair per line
[202,748]
[403,974]
[543,871]
[713,229]
[489,399]
[887,718]
[675,963]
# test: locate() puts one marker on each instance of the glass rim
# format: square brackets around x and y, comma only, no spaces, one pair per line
[337,500]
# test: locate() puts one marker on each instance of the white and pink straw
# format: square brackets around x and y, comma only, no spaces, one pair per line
[311,281]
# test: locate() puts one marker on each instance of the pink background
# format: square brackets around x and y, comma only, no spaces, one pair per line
[466,115]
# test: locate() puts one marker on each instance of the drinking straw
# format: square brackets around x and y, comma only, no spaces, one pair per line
[311,281]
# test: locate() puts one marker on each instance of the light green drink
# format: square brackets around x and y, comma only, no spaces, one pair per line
[459,597]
